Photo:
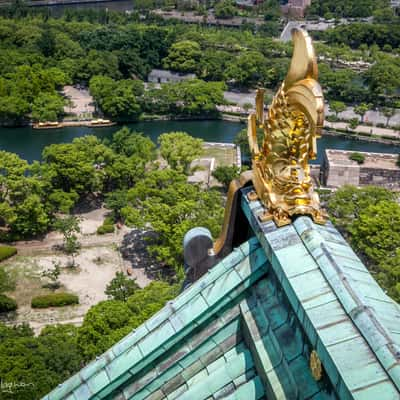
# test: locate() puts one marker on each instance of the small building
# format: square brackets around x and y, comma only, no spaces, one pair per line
[166,76]
[378,169]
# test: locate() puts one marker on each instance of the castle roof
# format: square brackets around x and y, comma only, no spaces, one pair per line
[292,313]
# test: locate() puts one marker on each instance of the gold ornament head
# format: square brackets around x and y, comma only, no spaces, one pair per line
[281,173]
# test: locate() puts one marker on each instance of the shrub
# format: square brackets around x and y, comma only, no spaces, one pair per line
[7,252]
[353,123]
[105,228]
[358,157]
[54,300]
[7,304]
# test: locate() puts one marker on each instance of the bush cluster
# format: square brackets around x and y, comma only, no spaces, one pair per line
[7,304]
[358,157]
[107,227]
[7,252]
[54,300]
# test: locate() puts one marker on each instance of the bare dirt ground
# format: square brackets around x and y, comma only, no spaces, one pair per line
[98,261]
[82,101]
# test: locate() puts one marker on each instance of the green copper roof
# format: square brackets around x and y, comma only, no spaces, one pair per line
[348,319]
[246,329]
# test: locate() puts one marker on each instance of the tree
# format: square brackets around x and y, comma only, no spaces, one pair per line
[104,324]
[225,9]
[183,56]
[171,206]
[389,275]
[346,204]
[40,362]
[52,275]
[117,99]
[71,167]
[337,107]
[388,113]
[121,287]
[47,107]
[384,78]
[226,174]
[130,143]
[69,226]
[361,110]
[111,320]
[353,123]
[179,149]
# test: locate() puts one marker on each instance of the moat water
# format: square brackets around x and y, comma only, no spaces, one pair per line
[29,143]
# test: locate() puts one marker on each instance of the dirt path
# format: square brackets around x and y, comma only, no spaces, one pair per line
[98,260]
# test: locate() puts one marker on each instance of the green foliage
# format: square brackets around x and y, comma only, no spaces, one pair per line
[376,231]
[7,283]
[105,228]
[337,107]
[109,321]
[7,304]
[361,110]
[121,287]
[242,140]
[344,8]
[183,56]
[188,98]
[117,99]
[389,275]
[347,203]
[353,123]
[171,206]
[358,157]
[7,252]
[54,300]
[225,9]
[146,302]
[358,34]
[179,149]
[52,274]
[40,362]
[69,226]
[226,174]
[104,324]
[130,143]
[47,107]
[370,218]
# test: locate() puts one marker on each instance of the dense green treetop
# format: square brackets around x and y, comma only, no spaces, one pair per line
[344,8]
[370,219]
[183,56]
[179,149]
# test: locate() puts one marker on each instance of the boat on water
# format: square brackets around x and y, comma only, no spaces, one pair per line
[47,125]
[98,123]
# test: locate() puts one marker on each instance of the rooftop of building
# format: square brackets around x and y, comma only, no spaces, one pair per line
[291,313]
[371,160]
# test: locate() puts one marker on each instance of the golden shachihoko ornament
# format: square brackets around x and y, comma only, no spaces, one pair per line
[281,170]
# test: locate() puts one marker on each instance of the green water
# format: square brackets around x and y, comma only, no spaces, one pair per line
[29,143]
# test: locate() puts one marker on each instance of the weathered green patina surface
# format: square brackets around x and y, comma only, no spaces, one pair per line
[246,329]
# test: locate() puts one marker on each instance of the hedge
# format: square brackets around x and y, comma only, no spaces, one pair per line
[7,252]
[105,228]
[358,157]
[54,300]
[7,303]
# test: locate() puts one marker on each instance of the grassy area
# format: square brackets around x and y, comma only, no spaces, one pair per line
[222,155]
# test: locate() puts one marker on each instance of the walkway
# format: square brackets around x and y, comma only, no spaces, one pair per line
[363,129]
